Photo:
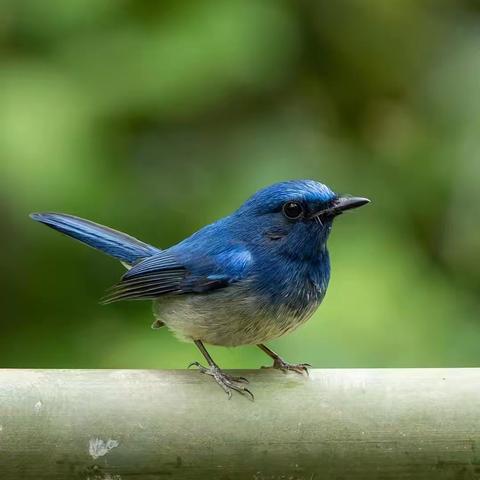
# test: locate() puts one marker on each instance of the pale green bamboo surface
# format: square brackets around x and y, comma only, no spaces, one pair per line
[145,425]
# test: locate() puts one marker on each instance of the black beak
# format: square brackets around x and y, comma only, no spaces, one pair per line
[342,204]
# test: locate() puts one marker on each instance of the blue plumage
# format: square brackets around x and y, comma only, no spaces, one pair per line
[117,244]
[245,279]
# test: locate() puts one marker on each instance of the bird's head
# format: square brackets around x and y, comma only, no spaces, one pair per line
[296,216]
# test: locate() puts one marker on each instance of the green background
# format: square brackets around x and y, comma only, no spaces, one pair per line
[158,117]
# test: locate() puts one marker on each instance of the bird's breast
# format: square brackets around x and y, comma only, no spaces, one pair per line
[295,286]
[251,311]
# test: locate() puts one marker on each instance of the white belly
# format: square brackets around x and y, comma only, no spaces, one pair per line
[228,317]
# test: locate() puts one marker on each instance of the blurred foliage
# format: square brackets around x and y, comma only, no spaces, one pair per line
[158,117]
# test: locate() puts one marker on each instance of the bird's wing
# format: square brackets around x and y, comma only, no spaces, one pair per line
[180,272]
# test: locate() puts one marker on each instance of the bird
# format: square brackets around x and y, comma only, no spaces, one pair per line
[245,279]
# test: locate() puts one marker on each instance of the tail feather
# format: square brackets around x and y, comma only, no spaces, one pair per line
[116,244]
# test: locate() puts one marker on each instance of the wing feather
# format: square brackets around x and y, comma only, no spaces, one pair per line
[149,279]
[163,262]
[166,273]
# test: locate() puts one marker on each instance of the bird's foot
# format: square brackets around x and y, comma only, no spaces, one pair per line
[280,364]
[227,382]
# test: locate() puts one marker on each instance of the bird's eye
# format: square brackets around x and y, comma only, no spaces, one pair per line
[293,210]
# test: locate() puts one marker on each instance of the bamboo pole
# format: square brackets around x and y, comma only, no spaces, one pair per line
[145,425]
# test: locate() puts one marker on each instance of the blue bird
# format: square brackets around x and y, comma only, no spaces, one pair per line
[244,280]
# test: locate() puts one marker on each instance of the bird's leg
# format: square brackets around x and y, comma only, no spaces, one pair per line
[281,364]
[227,382]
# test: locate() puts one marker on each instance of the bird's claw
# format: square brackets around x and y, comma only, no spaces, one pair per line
[227,382]
[300,368]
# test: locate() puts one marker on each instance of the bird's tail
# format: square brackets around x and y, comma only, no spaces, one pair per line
[117,244]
